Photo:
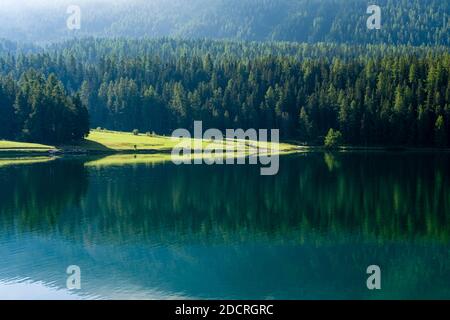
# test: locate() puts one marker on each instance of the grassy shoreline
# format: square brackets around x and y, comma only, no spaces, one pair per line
[115,143]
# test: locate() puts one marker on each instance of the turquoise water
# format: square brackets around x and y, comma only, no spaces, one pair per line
[226,232]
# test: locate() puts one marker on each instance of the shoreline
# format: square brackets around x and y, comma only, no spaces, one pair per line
[105,142]
[62,153]
[295,149]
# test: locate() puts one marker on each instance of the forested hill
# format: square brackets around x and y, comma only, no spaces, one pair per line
[374,95]
[414,22]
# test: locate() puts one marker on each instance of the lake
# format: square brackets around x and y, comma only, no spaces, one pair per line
[159,231]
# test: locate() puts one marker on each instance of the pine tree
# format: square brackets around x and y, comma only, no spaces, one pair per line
[305,126]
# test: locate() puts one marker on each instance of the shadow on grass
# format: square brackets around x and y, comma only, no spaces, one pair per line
[95,147]
[92,146]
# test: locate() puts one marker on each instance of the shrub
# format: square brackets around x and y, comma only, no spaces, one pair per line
[135,132]
[333,139]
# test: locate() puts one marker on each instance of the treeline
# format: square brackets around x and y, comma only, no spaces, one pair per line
[372,95]
[408,22]
[37,108]
[93,50]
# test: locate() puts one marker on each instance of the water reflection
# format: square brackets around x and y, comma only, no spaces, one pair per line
[162,231]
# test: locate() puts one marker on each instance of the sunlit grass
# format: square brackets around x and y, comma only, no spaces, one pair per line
[123,141]
[160,147]
[102,140]
[13,146]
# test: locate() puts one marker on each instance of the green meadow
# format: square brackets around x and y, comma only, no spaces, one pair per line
[128,148]
[114,141]
[24,147]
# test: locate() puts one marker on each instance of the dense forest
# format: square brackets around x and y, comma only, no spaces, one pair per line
[37,108]
[412,22]
[317,68]
[374,95]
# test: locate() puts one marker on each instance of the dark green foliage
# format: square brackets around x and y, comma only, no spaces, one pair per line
[37,108]
[333,139]
[374,95]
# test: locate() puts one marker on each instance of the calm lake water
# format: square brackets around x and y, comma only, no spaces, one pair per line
[166,231]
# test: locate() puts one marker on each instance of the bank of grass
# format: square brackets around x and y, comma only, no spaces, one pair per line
[11,147]
[113,142]
[152,149]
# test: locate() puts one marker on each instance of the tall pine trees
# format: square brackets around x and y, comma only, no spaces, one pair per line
[38,109]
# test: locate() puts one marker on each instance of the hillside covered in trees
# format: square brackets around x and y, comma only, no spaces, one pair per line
[374,95]
[413,22]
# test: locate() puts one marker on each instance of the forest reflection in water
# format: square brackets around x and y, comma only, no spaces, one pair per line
[161,230]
